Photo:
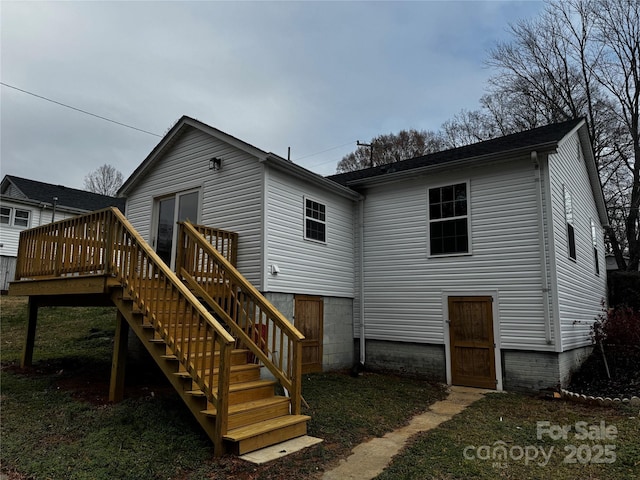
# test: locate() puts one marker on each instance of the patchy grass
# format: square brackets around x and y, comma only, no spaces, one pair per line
[512,419]
[56,421]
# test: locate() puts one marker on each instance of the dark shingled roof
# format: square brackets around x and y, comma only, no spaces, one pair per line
[67,197]
[536,137]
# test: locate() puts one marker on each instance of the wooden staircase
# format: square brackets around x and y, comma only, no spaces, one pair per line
[204,354]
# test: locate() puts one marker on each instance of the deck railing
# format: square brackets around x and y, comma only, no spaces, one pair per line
[224,241]
[104,242]
[251,317]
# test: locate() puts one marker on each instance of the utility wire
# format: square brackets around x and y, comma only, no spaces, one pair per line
[327,150]
[79,110]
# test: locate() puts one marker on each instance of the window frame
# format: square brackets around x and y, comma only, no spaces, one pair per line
[570,224]
[12,217]
[27,219]
[311,219]
[596,252]
[8,216]
[466,217]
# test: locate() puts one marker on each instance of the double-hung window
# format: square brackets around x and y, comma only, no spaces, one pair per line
[449,220]
[315,218]
[5,215]
[568,214]
[15,217]
[594,240]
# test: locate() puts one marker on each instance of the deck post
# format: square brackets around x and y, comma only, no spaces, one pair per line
[32,313]
[119,361]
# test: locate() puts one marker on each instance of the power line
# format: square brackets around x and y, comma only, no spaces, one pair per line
[324,151]
[79,110]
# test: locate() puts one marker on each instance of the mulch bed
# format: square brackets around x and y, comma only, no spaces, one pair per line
[624,366]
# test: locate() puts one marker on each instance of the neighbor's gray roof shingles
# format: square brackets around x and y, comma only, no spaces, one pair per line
[68,197]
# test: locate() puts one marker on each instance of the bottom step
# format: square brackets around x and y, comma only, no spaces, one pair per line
[269,432]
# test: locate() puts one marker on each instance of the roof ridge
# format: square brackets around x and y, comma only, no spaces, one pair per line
[515,140]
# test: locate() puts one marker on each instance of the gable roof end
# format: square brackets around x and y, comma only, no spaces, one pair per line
[169,140]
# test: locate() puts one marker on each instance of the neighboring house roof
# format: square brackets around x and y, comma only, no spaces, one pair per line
[269,158]
[541,138]
[71,198]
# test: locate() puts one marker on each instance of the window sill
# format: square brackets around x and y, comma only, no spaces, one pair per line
[447,255]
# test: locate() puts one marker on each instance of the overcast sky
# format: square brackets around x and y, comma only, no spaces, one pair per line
[313,76]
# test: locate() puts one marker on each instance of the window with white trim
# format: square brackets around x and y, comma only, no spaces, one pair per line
[15,217]
[5,215]
[594,240]
[449,220]
[315,221]
[21,218]
[568,214]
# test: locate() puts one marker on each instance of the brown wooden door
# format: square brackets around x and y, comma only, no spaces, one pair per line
[472,344]
[309,313]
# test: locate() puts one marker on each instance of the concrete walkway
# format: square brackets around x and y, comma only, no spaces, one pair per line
[367,460]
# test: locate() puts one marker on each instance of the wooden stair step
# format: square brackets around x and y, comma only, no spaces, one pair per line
[247,391]
[268,432]
[250,391]
[243,414]
[242,373]
[195,393]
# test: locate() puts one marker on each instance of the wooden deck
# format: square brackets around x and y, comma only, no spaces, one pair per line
[99,259]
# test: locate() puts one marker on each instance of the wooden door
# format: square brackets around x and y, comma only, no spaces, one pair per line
[472,343]
[309,313]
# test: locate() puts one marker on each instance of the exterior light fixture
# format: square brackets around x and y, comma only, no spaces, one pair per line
[215,163]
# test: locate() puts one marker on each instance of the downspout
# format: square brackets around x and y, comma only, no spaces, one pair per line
[361,293]
[543,249]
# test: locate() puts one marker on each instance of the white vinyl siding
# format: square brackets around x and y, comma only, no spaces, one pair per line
[404,286]
[231,196]
[10,234]
[579,291]
[308,267]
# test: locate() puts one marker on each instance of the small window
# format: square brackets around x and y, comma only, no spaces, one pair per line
[5,215]
[568,213]
[21,218]
[448,220]
[594,240]
[315,227]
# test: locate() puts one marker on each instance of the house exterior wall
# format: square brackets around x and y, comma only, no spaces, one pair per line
[578,303]
[405,288]
[308,267]
[527,370]
[231,198]
[10,234]
[337,341]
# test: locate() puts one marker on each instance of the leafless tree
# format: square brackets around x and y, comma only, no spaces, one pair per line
[391,148]
[580,58]
[105,180]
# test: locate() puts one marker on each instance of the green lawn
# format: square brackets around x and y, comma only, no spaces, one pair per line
[464,447]
[56,422]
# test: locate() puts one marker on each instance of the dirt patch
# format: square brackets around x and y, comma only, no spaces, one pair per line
[89,382]
[624,366]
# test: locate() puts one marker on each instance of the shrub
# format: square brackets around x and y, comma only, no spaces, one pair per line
[624,289]
[617,326]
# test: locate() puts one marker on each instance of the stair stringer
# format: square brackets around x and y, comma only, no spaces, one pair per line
[157,350]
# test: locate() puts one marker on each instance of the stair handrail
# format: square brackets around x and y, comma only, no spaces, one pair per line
[243,308]
[104,242]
